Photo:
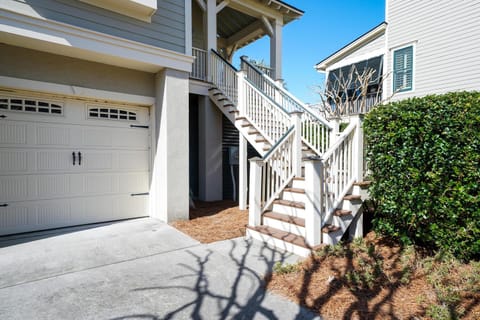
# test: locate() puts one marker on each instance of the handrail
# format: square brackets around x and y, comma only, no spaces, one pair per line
[277,169]
[275,146]
[340,140]
[338,171]
[285,92]
[224,60]
[266,96]
[263,113]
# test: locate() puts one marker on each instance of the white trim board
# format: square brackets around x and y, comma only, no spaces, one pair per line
[35,32]
[72,92]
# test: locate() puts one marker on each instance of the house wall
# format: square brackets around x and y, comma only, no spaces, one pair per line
[373,48]
[30,64]
[166,30]
[446,38]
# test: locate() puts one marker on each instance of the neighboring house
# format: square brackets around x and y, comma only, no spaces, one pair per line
[423,47]
[105,107]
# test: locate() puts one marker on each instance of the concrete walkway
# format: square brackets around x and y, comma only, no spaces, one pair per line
[137,269]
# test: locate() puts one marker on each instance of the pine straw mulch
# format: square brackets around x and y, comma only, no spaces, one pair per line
[214,221]
[372,279]
[377,279]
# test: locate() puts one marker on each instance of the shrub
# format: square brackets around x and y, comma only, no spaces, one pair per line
[424,157]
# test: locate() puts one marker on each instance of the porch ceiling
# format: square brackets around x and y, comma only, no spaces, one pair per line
[237,28]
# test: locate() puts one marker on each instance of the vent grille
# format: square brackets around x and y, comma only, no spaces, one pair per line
[30,106]
[111,114]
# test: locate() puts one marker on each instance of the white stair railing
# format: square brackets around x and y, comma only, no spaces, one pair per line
[330,177]
[315,130]
[270,120]
[224,76]
[270,175]
[199,68]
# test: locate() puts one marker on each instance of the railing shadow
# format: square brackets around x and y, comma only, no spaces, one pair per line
[242,296]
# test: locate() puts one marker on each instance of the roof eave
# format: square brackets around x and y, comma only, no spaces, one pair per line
[355,44]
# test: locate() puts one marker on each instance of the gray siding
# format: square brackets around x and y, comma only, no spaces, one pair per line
[40,66]
[167,29]
[362,53]
[446,35]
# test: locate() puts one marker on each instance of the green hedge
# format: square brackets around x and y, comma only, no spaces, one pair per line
[424,157]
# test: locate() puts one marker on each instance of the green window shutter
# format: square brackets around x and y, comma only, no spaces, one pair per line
[403,69]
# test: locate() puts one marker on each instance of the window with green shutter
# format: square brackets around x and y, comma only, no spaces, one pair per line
[403,69]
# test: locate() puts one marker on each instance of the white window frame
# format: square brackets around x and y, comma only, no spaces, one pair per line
[414,67]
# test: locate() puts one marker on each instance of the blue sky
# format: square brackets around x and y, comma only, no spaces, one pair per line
[326,26]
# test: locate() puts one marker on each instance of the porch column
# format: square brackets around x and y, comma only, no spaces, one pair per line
[210,151]
[211,27]
[242,173]
[169,191]
[276,49]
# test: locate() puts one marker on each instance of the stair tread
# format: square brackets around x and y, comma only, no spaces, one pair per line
[295,204]
[282,235]
[299,178]
[285,218]
[342,213]
[261,140]
[330,228]
[295,190]
[350,197]
[363,184]
[246,125]
[233,111]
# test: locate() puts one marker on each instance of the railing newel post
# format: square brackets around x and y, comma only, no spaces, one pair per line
[255,192]
[296,118]
[314,186]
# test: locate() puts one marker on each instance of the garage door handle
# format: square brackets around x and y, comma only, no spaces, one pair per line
[4,205]
[79,158]
[3,116]
[73,155]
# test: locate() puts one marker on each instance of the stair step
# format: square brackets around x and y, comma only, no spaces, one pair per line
[282,235]
[342,213]
[363,184]
[329,228]
[240,118]
[285,218]
[299,178]
[233,111]
[261,140]
[218,94]
[352,197]
[254,131]
[226,105]
[295,190]
[212,88]
[246,125]
[294,204]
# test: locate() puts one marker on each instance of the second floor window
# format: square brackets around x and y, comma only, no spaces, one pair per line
[403,69]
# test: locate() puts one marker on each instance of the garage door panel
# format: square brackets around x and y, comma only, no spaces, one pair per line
[48,161]
[53,135]
[132,138]
[13,188]
[133,182]
[13,133]
[133,160]
[13,161]
[97,137]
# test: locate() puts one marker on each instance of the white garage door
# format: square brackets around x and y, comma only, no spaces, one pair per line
[71,162]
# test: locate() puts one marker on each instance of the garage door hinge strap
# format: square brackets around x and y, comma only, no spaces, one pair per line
[139,194]
[138,126]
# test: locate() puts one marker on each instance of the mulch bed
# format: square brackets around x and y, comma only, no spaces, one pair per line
[214,221]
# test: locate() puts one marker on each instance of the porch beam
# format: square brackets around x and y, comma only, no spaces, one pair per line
[250,32]
[202,5]
[222,5]
[267,26]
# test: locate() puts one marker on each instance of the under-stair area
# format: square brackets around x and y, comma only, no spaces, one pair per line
[306,190]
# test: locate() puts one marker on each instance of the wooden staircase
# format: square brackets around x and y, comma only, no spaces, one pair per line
[280,204]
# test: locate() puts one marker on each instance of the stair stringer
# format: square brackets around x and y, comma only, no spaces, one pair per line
[242,124]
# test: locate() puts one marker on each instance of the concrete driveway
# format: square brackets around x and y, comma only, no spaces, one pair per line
[137,269]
